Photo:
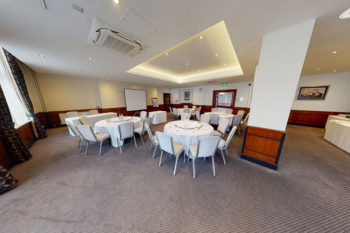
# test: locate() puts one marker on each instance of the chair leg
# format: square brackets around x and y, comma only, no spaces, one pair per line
[212,161]
[135,142]
[99,152]
[176,164]
[223,156]
[79,145]
[120,147]
[154,152]
[160,160]
[150,146]
[227,152]
[141,138]
[87,148]
[193,168]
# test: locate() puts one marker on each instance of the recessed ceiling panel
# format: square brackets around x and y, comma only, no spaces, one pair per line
[206,55]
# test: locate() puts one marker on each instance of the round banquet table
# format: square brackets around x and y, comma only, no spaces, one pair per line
[187,132]
[221,115]
[110,126]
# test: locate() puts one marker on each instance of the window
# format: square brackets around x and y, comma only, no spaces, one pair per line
[13,98]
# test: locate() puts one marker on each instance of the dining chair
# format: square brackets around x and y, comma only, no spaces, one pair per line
[185,106]
[166,144]
[187,110]
[89,136]
[229,110]
[214,110]
[84,121]
[198,115]
[194,107]
[93,112]
[199,109]
[76,134]
[214,119]
[185,116]
[143,114]
[206,147]
[223,145]
[241,112]
[71,114]
[222,128]
[175,113]
[205,118]
[243,123]
[141,129]
[153,138]
[236,121]
[171,111]
[126,130]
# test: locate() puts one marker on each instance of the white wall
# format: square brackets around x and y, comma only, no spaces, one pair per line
[281,60]
[337,98]
[203,95]
[65,93]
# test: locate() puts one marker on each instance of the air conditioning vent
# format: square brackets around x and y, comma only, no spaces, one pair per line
[106,37]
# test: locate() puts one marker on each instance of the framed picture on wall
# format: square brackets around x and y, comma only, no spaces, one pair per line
[187,95]
[312,93]
[155,102]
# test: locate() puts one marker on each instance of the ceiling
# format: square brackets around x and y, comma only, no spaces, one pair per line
[61,33]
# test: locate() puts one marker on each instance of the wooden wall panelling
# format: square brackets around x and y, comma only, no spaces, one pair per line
[310,118]
[263,146]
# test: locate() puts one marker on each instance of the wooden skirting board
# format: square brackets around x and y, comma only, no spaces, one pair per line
[263,146]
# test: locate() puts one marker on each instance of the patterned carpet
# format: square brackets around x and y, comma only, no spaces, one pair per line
[61,190]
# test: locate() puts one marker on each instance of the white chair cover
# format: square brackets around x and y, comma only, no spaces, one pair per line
[237,120]
[223,125]
[87,133]
[93,112]
[229,110]
[198,115]
[126,130]
[185,116]
[207,146]
[214,110]
[143,114]
[205,118]
[241,112]
[71,114]
[194,107]
[84,120]
[185,106]
[187,110]
[229,137]
[165,142]
[214,119]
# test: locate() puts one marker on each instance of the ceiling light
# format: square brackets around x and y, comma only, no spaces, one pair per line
[41,55]
[201,37]
[224,64]
[90,58]
[334,52]
[167,54]
[216,55]
[334,70]
[116,2]
[318,68]
[345,14]
[187,64]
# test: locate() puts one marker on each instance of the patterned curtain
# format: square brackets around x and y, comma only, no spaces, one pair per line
[19,78]
[7,181]
[18,152]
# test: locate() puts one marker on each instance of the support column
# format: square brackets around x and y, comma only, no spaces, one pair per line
[280,64]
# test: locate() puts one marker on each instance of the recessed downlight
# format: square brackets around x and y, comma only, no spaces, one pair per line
[90,58]
[116,2]
[334,70]
[318,68]
[216,55]
[201,37]
[42,55]
[167,54]
[334,52]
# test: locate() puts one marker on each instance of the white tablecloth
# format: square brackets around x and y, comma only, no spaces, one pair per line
[338,133]
[340,117]
[110,126]
[158,117]
[188,136]
[221,115]
[92,119]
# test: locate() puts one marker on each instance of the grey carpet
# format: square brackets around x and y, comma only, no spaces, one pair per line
[61,190]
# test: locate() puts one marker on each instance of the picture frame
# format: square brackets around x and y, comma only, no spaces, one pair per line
[187,95]
[155,102]
[312,93]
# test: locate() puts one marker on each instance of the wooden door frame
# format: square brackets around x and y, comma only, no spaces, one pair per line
[167,109]
[229,90]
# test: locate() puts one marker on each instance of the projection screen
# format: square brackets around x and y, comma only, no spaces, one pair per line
[135,100]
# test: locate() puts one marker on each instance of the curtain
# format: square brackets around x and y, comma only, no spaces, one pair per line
[18,77]
[7,181]
[16,149]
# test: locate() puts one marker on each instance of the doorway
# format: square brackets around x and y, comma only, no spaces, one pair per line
[166,100]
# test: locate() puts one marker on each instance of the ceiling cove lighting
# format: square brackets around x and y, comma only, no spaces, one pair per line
[200,64]
[345,14]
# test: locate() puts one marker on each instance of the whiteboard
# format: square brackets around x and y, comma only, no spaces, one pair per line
[135,99]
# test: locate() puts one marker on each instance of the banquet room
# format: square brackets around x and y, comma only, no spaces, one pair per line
[174,116]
